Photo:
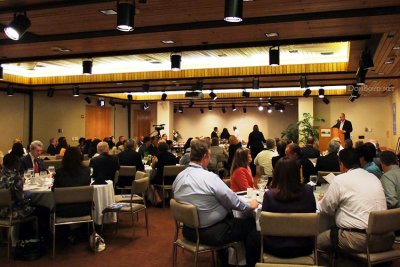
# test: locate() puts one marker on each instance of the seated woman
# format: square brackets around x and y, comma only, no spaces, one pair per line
[287,195]
[241,177]
[233,145]
[218,156]
[72,173]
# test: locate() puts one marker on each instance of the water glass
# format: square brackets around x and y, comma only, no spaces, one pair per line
[31,171]
[51,170]
[27,176]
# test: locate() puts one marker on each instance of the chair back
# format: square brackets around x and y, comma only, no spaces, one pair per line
[75,194]
[5,198]
[127,171]
[56,163]
[173,170]
[140,175]
[289,224]
[86,162]
[139,186]
[384,221]
[321,174]
[185,213]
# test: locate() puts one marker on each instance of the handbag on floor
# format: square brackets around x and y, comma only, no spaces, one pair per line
[29,249]
[99,244]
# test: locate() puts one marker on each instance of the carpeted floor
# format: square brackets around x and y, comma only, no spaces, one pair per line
[121,250]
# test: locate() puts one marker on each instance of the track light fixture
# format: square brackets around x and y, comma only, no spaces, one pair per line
[175,109]
[234,107]
[282,108]
[88,100]
[209,108]
[191,103]
[50,92]
[303,82]
[360,76]
[212,95]
[164,96]
[274,56]
[10,90]
[125,16]
[146,87]
[307,92]
[180,109]
[101,102]
[256,83]
[260,107]
[321,93]
[1,72]
[326,100]
[146,106]
[75,90]
[87,65]
[130,97]
[199,85]
[111,102]
[366,60]
[244,110]
[201,110]
[176,62]
[269,110]
[245,94]
[17,26]
[223,110]
[354,94]
[233,10]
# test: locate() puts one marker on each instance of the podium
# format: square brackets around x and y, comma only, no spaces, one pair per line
[326,135]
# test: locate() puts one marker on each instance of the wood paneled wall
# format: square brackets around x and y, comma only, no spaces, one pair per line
[97,122]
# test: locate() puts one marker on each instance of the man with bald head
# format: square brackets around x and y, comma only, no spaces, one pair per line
[344,125]
[104,166]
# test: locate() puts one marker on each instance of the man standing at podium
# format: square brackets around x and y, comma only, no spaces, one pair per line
[344,125]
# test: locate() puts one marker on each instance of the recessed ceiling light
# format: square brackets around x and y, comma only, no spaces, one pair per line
[155,62]
[293,51]
[108,12]
[396,48]
[168,41]
[119,83]
[381,73]
[326,53]
[271,34]
[60,49]
[390,61]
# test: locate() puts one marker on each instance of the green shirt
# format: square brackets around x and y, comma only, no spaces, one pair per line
[391,184]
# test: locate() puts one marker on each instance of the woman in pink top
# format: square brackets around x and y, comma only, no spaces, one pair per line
[241,177]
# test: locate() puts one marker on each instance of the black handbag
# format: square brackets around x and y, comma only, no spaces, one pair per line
[29,249]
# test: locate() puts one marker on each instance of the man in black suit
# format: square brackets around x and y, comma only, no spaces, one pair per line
[344,125]
[53,149]
[129,157]
[32,160]
[104,166]
[330,162]
[293,152]
[214,134]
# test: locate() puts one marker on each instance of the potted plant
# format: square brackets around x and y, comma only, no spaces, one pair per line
[306,128]
[291,133]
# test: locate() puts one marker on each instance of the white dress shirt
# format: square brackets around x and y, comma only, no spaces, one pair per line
[264,159]
[352,196]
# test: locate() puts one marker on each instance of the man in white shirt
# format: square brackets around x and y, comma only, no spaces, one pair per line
[351,197]
[237,133]
[264,159]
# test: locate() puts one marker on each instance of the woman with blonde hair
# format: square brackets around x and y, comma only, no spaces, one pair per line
[241,177]
[233,145]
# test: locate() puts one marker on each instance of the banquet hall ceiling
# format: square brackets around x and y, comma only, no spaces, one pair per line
[311,36]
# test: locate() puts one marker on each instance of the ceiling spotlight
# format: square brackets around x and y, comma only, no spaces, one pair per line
[75,90]
[175,62]
[321,93]
[244,110]
[199,85]
[10,90]
[209,108]
[354,94]
[282,108]
[303,82]
[360,76]
[191,103]
[245,94]
[146,106]
[269,110]
[50,92]
[130,97]
[274,56]
[101,102]
[87,66]
[146,87]
[125,16]
[233,10]
[1,73]
[88,100]
[201,111]
[175,109]
[366,60]
[180,110]
[17,26]
[164,96]
[307,92]
[260,107]
[326,100]
[111,102]
[223,110]
[212,95]
[256,83]
[234,107]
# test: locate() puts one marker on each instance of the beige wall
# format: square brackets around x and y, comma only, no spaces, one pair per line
[192,123]
[366,112]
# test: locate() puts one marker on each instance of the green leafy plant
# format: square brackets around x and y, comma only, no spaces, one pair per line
[291,132]
[306,128]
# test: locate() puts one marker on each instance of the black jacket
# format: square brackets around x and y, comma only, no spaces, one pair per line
[346,127]
[329,162]
[104,168]
[26,163]
[129,157]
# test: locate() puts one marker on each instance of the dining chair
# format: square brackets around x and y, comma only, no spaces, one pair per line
[128,197]
[321,174]
[280,265]
[72,195]
[130,206]
[170,171]
[56,163]
[124,171]
[186,214]
[379,223]
[289,225]
[6,202]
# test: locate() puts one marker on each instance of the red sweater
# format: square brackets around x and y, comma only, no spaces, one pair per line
[241,179]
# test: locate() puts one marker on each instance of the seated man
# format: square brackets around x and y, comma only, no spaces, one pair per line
[309,151]
[367,153]
[104,166]
[32,160]
[293,152]
[214,202]
[52,149]
[129,157]
[351,197]
[391,179]
[330,162]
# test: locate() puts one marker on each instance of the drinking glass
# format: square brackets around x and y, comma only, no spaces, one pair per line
[31,171]
[145,160]
[262,184]
[51,170]
[27,176]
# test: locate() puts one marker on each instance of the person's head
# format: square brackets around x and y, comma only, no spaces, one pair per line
[72,159]
[234,128]
[342,117]
[62,142]
[121,138]
[164,137]
[215,141]
[388,158]
[154,140]
[367,153]
[200,152]
[170,144]
[130,144]
[333,146]
[162,146]
[102,147]
[82,141]
[241,158]
[286,178]
[358,144]
[255,128]
[215,129]
[36,148]
[17,140]
[187,144]
[146,140]
[271,144]
[348,143]
[280,148]
[17,150]
[54,141]
[11,162]
[348,159]
[225,130]
[293,151]
[310,141]
[233,140]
